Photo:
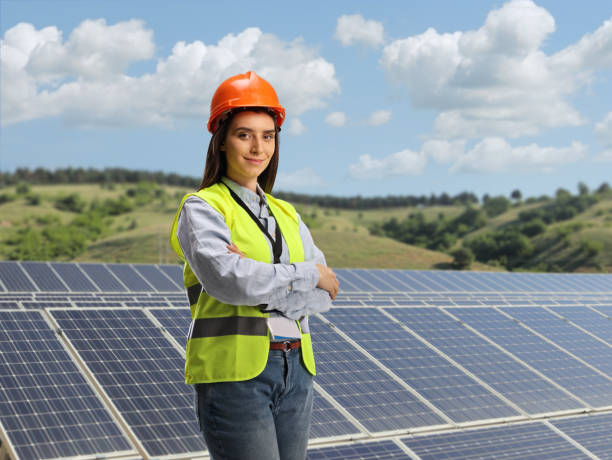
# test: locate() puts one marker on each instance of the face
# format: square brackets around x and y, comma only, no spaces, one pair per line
[248,147]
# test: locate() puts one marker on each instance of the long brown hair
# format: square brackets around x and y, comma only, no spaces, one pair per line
[216,164]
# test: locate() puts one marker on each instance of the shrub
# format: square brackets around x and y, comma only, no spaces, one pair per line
[23,188]
[508,246]
[496,206]
[72,203]
[33,199]
[533,227]
[462,258]
[6,198]
[591,247]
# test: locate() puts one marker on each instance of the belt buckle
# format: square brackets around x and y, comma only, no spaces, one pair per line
[287,345]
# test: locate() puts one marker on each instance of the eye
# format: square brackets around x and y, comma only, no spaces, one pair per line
[269,137]
[243,135]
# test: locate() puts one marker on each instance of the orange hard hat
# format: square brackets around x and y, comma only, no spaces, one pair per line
[244,90]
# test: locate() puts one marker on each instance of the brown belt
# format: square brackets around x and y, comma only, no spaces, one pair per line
[286,345]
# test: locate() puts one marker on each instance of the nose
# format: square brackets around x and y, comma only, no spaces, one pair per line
[256,145]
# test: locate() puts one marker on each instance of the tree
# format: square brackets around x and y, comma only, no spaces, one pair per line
[516,195]
[604,188]
[583,189]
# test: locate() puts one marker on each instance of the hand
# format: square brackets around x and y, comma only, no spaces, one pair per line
[233,249]
[328,280]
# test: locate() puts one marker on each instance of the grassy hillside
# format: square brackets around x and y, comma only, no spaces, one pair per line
[141,235]
[136,221]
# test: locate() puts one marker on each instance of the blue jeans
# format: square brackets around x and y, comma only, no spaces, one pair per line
[265,418]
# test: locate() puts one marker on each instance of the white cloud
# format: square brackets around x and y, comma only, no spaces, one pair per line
[603,130]
[379,117]
[404,163]
[301,179]
[604,157]
[494,154]
[336,119]
[84,80]
[443,151]
[496,81]
[296,127]
[354,29]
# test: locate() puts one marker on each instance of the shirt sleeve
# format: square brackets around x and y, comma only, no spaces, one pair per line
[204,237]
[311,301]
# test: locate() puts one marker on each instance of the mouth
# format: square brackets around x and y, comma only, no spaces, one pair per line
[254,161]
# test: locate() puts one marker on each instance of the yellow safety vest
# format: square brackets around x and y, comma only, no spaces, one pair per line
[231,342]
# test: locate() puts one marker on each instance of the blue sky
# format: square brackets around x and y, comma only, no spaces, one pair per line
[382,98]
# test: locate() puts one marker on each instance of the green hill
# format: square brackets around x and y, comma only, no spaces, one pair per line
[131,223]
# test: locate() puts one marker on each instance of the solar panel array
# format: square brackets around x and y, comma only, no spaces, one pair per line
[411,364]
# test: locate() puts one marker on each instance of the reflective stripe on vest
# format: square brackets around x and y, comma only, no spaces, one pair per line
[228,325]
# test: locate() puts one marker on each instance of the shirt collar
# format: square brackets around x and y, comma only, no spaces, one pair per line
[246,195]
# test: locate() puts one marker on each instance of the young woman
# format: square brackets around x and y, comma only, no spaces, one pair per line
[253,275]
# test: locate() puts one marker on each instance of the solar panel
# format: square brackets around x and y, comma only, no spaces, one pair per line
[527,441]
[370,395]
[43,276]
[141,372]
[606,310]
[97,304]
[449,365]
[572,339]
[42,304]
[560,367]
[156,278]
[8,305]
[174,272]
[327,421]
[73,277]
[148,303]
[47,408]
[459,396]
[103,277]
[129,277]
[175,321]
[386,450]
[511,379]
[350,282]
[591,431]
[588,319]
[14,278]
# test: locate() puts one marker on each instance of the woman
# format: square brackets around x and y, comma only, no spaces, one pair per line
[253,275]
